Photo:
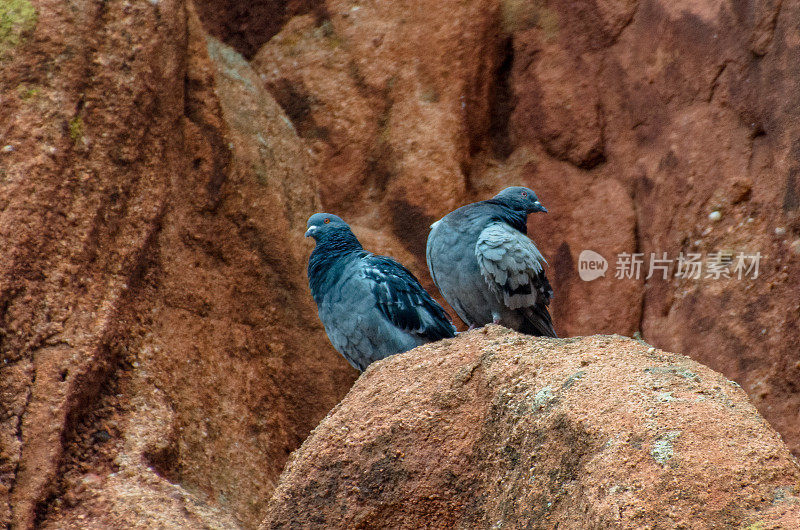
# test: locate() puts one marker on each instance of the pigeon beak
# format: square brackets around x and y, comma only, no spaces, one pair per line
[539,207]
[311,231]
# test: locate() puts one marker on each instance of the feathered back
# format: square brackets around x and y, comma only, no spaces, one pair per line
[487,268]
[404,301]
[371,306]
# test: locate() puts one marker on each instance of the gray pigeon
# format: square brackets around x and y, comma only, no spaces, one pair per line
[371,306]
[487,269]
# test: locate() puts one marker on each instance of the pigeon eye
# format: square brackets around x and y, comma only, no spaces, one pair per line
[524,193]
[327,220]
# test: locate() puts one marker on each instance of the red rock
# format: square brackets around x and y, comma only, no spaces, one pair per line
[394,128]
[248,25]
[557,103]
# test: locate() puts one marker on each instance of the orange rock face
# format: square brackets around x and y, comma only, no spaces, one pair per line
[495,428]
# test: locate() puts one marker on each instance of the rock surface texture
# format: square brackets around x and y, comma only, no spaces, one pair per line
[495,429]
[159,352]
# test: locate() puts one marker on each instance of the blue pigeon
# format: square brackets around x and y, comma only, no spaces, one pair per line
[371,306]
[487,269]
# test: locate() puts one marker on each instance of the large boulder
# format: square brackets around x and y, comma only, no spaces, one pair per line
[498,429]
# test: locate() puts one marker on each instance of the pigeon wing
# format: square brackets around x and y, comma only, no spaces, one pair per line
[403,301]
[514,271]
[345,311]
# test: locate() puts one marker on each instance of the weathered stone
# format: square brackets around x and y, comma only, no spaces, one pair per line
[497,429]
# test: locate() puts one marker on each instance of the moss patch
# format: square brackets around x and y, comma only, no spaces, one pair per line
[27,92]
[17,19]
[75,127]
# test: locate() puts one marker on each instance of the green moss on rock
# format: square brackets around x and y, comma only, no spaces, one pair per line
[76,129]
[17,19]
[27,92]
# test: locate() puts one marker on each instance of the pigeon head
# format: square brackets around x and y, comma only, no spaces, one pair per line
[521,199]
[322,224]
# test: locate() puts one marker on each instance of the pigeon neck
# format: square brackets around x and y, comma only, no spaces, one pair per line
[328,258]
[338,242]
[518,219]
